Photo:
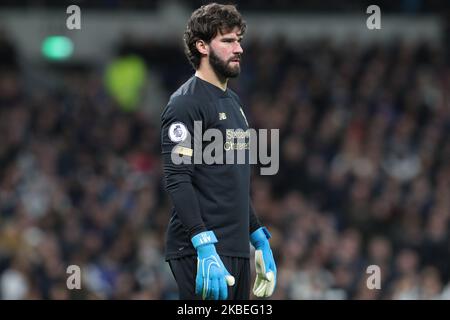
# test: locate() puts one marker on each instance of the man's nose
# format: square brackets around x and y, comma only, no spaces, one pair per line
[238,48]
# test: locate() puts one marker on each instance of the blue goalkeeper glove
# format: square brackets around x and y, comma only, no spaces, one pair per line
[212,276]
[266,270]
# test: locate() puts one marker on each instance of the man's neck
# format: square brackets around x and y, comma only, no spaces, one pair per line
[207,74]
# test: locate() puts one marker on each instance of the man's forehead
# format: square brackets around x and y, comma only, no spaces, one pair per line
[235,33]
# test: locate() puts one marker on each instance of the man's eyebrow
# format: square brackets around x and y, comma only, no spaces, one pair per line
[232,38]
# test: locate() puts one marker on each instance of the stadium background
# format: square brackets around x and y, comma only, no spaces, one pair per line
[364,119]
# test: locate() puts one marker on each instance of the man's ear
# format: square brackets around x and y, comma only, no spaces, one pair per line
[202,47]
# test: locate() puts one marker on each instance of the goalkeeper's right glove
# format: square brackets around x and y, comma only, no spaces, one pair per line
[212,276]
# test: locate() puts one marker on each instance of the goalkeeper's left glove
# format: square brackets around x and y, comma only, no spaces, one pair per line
[266,270]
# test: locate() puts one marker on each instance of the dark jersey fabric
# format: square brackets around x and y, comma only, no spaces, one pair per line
[214,197]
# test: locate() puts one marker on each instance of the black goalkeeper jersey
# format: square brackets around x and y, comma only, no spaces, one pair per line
[213,197]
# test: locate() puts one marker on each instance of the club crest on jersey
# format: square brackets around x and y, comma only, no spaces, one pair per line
[177,132]
[222,116]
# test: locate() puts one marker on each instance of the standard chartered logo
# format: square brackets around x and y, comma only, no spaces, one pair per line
[232,135]
[236,146]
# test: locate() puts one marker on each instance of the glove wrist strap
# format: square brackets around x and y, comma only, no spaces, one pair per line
[203,238]
[260,236]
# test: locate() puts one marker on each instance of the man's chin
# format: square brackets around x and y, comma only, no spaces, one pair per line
[228,72]
[234,72]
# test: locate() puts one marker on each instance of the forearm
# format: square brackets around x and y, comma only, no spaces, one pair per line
[183,196]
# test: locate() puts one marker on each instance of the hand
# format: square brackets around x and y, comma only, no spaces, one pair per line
[212,276]
[266,270]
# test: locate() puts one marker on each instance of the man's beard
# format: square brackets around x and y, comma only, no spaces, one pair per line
[222,68]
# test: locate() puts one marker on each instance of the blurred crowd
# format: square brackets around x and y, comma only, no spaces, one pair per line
[364,176]
[404,6]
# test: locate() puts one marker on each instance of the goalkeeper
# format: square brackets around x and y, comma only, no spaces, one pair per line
[213,221]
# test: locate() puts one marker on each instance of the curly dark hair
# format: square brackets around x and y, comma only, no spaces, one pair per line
[205,23]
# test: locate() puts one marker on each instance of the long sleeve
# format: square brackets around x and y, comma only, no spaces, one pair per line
[179,186]
[177,131]
[254,222]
